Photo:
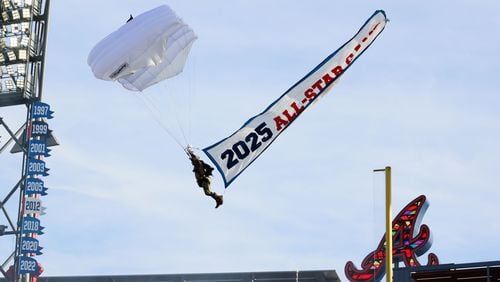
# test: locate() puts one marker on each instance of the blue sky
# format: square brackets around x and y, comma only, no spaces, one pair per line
[422,99]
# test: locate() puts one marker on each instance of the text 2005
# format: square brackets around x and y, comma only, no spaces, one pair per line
[242,149]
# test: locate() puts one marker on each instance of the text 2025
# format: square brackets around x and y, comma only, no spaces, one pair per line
[242,149]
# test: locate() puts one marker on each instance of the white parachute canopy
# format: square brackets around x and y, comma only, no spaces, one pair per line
[151,47]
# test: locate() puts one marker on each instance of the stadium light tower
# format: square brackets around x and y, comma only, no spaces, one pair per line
[23,38]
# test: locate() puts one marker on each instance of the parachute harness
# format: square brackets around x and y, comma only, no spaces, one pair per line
[203,172]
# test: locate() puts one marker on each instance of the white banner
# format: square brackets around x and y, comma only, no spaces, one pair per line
[33,206]
[235,153]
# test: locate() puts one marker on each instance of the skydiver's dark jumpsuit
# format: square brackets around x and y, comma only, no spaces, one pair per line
[202,172]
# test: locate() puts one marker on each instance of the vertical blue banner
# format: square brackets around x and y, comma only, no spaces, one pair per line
[41,110]
[35,186]
[39,129]
[28,265]
[36,167]
[30,246]
[38,148]
[32,225]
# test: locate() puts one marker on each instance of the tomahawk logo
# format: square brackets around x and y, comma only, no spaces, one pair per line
[407,244]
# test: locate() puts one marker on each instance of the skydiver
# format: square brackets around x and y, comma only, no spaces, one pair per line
[202,172]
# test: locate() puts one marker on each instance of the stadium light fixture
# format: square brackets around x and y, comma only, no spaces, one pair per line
[19,32]
[5,16]
[11,55]
[13,42]
[21,69]
[10,70]
[16,15]
[20,82]
[25,41]
[9,83]
[22,54]
[6,4]
[26,13]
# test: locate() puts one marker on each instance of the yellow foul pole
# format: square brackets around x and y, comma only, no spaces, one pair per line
[388,223]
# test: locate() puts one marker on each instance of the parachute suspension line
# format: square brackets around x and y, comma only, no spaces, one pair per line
[172,108]
[156,117]
[178,97]
[192,94]
[179,94]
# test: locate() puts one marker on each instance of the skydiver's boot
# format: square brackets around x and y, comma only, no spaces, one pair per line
[219,199]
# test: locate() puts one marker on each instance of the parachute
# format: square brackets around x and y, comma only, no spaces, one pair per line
[147,49]
[144,51]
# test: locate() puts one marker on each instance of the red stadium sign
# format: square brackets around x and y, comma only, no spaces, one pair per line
[408,244]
